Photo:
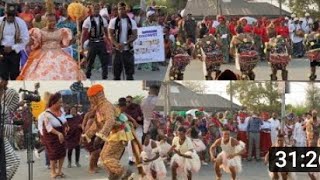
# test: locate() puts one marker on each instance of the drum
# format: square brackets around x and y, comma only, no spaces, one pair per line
[213,59]
[314,55]
[248,60]
[180,61]
[279,60]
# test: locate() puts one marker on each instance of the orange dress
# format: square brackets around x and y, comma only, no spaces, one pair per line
[47,60]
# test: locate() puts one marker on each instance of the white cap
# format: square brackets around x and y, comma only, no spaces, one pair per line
[150,13]
[307,14]
[296,19]
[293,15]
[301,19]
[286,18]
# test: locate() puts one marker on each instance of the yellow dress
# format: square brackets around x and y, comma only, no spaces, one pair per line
[47,60]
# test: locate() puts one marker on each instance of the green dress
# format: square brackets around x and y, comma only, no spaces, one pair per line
[221,30]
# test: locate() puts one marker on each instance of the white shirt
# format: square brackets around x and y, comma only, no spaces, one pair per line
[52,122]
[41,119]
[275,124]
[185,147]
[294,38]
[266,125]
[215,24]
[124,29]
[104,12]
[9,33]
[243,126]
[87,22]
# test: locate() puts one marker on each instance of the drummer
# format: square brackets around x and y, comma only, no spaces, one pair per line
[312,37]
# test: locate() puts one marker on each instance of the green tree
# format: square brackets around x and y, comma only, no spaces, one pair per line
[299,109]
[299,7]
[196,86]
[313,97]
[257,96]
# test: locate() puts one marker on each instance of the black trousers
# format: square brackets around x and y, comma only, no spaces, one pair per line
[77,154]
[123,60]
[10,65]
[98,49]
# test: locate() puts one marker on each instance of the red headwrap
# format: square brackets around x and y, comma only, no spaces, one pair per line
[94,90]
[221,18]
[54,99]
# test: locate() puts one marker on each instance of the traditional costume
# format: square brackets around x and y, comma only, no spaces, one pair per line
[265,136]
[13,35]
[242,130]
[184,164]
[157,165]
[228,149]
[299,135]
[110,126]
[47,60]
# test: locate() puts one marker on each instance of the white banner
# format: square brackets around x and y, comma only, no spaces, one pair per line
[149,46]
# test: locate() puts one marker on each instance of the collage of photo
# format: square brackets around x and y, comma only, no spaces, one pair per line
[159,90]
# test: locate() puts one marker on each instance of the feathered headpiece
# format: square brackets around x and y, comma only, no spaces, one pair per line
[50,7]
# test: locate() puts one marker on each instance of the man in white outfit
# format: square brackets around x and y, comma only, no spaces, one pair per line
[299,135]
[275,127]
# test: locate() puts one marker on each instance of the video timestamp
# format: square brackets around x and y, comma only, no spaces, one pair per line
[294,159]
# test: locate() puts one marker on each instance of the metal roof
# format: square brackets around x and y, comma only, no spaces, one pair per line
[233,8]
[181,98]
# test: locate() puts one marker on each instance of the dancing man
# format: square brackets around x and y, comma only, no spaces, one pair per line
[9,102]
[230,157]
[106,129]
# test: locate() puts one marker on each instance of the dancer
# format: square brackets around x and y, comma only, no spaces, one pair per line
[106,129]
[94,151]
[276,175]
[54,132]
[230,158]
[9,99]
[47,60]
[185,161]
[153,163]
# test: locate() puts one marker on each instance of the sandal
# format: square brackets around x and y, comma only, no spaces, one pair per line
[62,175]
[54,176]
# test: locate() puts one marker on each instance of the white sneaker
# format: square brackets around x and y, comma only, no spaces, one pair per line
[36,154]
[204,163]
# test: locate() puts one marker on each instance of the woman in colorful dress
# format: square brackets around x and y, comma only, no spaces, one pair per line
[47,61]
[54,133]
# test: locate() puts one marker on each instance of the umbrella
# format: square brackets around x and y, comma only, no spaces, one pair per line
[193,112]
[250,20]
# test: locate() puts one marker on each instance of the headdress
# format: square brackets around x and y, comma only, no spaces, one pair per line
[50,7]
[94,90]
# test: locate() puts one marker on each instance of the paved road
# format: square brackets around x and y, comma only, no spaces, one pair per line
[251,171]
[139,74]
[299,70]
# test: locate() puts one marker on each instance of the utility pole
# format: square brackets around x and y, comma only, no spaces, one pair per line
[280,6]
[231,96]
[217,6]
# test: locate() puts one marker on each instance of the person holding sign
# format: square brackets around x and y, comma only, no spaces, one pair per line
[122,33]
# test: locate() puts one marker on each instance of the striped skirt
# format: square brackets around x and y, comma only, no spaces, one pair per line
[12,159]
